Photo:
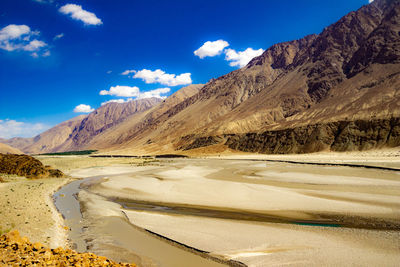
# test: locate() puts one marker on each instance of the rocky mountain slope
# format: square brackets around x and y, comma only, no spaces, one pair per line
[338,90]
[104,118]
[350,72]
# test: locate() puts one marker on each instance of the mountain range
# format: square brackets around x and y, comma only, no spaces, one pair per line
[338,90]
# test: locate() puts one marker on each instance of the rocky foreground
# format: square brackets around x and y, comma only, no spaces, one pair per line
[18,251]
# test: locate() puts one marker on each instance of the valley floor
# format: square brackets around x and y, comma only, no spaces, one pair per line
[257,212]
[237,207]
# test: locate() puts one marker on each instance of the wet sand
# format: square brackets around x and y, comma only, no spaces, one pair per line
[100,226]
[362,204]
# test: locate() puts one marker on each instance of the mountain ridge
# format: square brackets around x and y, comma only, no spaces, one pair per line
[349,74]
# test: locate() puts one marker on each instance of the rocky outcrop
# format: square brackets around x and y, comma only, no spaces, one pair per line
[18,251]
[335,136]
[24,165]
[201,142]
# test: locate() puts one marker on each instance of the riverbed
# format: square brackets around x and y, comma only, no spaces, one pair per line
[209,212]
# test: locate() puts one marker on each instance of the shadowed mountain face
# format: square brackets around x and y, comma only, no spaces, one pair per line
[342,85]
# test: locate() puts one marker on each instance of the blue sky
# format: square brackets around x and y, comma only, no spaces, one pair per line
[59,56]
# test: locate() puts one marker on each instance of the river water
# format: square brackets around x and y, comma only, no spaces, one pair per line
[124,241]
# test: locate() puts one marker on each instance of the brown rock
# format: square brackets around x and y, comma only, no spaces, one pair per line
[15,250]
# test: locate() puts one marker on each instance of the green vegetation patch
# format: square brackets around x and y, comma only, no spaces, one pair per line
[71,153]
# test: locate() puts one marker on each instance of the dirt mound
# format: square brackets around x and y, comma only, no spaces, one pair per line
[15,250]
[24,165]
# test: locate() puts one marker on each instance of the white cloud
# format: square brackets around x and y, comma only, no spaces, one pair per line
[124,91]
[128,91]
[127,72]
[76,12]
[211,49]
[82,108]
[13,31]
[154,93]
[34,45]
[159,76]
[241,58]
[12,128]
[58,36]
[20,38]
[109,71]
[370,1]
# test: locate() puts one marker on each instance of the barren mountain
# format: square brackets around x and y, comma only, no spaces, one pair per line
[48,140]
[104,118]
[123,132]
[338,90]
[347,75]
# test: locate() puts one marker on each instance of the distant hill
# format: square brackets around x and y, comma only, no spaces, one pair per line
[6,149]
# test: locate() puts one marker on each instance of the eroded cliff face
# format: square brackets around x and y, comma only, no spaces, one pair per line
[335,136]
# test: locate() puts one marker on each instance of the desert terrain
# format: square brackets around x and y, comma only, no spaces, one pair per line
[299,214]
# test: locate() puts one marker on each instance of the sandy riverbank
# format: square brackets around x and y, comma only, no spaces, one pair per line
[389,157]
[27,205]
[176,198]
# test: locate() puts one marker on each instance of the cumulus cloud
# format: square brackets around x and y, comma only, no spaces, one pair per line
[159,76]
[82,108]
[241,58]
[58,36]
[76,12]
[370,1]
[34,45]
[12,128]
[211,49]
[128,91]
[21,38]
[124,91]
[154,93]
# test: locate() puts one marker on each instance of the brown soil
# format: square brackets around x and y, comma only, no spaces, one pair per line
[15,250]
